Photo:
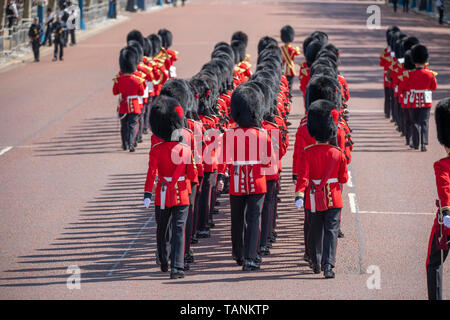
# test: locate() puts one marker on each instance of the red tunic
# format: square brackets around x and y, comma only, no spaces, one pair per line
[288,54]
[249,154]
[130,89]
[304,77]
[420,83]
[313,162]
[209,137]
[302,140]
[197,128]
[161,161]
[279,146]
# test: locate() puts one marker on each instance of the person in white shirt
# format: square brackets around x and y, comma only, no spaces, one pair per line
[71,26]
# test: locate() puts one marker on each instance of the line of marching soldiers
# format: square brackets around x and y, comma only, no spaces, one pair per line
[141,80]
[408,86]
[323,146]
[225,130]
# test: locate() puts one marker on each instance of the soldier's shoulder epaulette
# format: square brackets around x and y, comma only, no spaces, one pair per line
[157,144]
[432,72]
[305,71]
[310,146]
[336,147]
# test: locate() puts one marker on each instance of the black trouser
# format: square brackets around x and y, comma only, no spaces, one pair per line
[35,44]
[48,36]
[268,212]
[275,211]
[420,118]
[72,36]
[197,207]
[213,195]
[190,217]
[395,5]
[147,114]
[441,15]
[171,229]
[405,5]
[141,126]
[323,235]
[434,267]
[205,201]
[306,228]
[129,126]
[290,80]
[59,44]
[406,125]
[245,215]
[387,102]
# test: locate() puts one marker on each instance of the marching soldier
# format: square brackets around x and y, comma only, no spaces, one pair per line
[242,152]
[172,161]
[420,84]
[130,89]
[289,53]
[440,233]
[322,168]
[35,34]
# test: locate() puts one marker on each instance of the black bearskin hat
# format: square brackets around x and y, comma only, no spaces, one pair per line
[166,116]
[322,37]
[246,106]
[239,50]
[179,89]
[409,63]
[148,48]
[442,116]
[306,42]
[409,42]
[156,43]
[419,53]
[320,123]
[201,92]
[136,35]
[311,52]
[266,41]
[390,31]
[323,87]
[128,60]
[287,34]
[240,36]
[140,50]
[166,38]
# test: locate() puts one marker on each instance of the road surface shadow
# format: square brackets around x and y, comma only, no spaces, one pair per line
[114,240]
[92,136]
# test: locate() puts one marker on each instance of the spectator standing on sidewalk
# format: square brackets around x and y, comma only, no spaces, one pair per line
[395,5]
[59,32]
[48,23]
[35,34]
[11,13]
[71,26]
[405,5]
[440,8]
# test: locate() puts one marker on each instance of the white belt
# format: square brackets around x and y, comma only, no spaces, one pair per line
[169,179]
[130,99]
[149,86]
[331,180]
[245,163]
[426,93]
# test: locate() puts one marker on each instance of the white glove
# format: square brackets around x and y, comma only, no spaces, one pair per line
[147,202]
[447,221]
[299,203]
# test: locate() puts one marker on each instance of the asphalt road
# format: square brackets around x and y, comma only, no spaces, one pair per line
[71,197]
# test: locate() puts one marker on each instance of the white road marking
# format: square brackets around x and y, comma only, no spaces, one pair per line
[350,181]
[5,150]
[399,213]
[151,219]
[352,199]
